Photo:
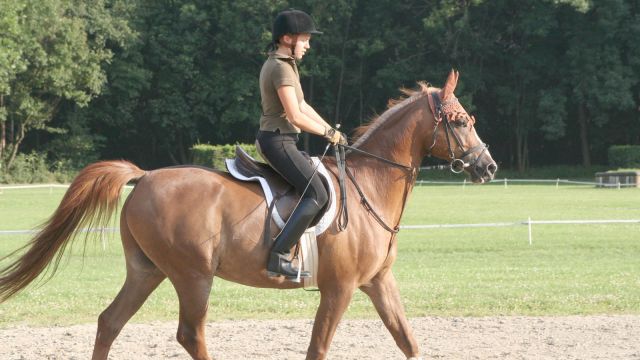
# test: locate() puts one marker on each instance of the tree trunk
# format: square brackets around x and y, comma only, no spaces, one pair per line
[3,143]
[3,133]
[583,121]
[16,144]
[360,95]
[521,152]
[521,138]
[342,69]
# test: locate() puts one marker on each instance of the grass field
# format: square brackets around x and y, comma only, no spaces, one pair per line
[569,269]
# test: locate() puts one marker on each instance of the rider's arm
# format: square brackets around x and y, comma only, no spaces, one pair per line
[311,112]
[296,116]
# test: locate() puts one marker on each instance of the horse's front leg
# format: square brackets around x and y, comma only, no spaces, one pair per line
[385,296]
[333,303]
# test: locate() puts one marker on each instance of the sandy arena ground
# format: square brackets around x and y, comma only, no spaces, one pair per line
[570,337]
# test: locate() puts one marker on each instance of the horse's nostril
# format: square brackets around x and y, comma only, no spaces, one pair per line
[492,168]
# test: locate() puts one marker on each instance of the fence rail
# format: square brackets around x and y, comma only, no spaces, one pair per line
[505,182]
[527,222]
[42,186]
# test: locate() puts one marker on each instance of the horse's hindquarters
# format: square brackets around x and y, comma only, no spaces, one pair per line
[192,221]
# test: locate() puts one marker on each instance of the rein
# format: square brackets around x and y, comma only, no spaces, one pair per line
[457,165]
[351,148]
[342,170]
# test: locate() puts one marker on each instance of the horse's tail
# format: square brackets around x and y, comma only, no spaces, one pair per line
[90,201]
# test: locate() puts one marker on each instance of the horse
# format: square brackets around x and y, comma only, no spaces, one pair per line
[189,224]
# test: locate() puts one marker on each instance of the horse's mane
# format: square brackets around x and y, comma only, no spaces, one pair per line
[362,133]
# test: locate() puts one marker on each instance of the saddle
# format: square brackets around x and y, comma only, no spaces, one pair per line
[278,190]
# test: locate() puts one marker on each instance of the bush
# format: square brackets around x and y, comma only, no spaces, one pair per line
[214,155]
[624,156]
[27,169]
[34,168]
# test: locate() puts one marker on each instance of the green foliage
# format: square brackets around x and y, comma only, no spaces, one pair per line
[545,79]
[26,169]
[55,50]
[214,155]
[624,156]
[34,168]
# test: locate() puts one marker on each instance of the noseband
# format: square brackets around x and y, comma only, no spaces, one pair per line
[446,110]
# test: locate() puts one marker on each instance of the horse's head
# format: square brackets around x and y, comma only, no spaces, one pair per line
[454,136]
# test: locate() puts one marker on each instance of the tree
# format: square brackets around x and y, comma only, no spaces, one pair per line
[597,75]
[53,51]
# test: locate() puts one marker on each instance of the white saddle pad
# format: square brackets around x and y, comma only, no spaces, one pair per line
[328,216]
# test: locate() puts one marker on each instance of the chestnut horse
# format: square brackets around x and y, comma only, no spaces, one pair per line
[190,224]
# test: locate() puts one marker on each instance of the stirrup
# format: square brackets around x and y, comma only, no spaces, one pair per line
[284,267]
[303,275]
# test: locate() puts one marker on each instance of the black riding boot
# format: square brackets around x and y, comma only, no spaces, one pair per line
[299,221]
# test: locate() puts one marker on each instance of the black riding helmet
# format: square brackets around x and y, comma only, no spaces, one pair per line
[292,22]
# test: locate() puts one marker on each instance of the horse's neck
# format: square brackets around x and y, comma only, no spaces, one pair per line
[386,185]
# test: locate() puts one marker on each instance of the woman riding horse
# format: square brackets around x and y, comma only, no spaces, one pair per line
[284,115]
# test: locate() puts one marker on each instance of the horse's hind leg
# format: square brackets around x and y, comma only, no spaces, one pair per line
[385,296]
[142,278]
[193,294]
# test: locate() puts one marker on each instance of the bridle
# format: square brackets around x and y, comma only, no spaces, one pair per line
[441,110]
[446,111]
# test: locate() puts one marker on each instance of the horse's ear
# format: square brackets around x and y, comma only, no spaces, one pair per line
[450,85]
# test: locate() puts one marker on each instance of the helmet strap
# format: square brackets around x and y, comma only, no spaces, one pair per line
[294,39]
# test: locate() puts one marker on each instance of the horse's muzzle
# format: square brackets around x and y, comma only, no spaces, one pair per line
[484,169]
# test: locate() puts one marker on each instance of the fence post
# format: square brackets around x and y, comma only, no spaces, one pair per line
[505,183]
[464,183]
[102,239]
[557,183]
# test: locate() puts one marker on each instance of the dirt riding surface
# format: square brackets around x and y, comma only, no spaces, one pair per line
[567,337]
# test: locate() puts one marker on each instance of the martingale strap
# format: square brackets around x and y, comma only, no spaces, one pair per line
[341,162]
[367,205]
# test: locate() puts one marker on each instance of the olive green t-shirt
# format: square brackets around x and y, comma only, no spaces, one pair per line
[279,70]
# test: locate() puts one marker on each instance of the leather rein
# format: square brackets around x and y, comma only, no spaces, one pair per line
[456,165]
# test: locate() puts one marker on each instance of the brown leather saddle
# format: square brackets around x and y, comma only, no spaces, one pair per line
[284,195]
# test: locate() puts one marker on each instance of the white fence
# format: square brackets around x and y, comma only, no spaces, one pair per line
[505,182]
[42,186]
[529,223]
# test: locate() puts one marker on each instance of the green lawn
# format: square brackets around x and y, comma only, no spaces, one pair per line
[569,269]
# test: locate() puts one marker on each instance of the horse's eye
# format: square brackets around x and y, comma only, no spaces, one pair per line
[461,120]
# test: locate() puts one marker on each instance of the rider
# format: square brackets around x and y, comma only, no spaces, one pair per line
[284,115]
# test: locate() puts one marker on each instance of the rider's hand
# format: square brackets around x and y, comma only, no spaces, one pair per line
[335,137]
[343,139]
